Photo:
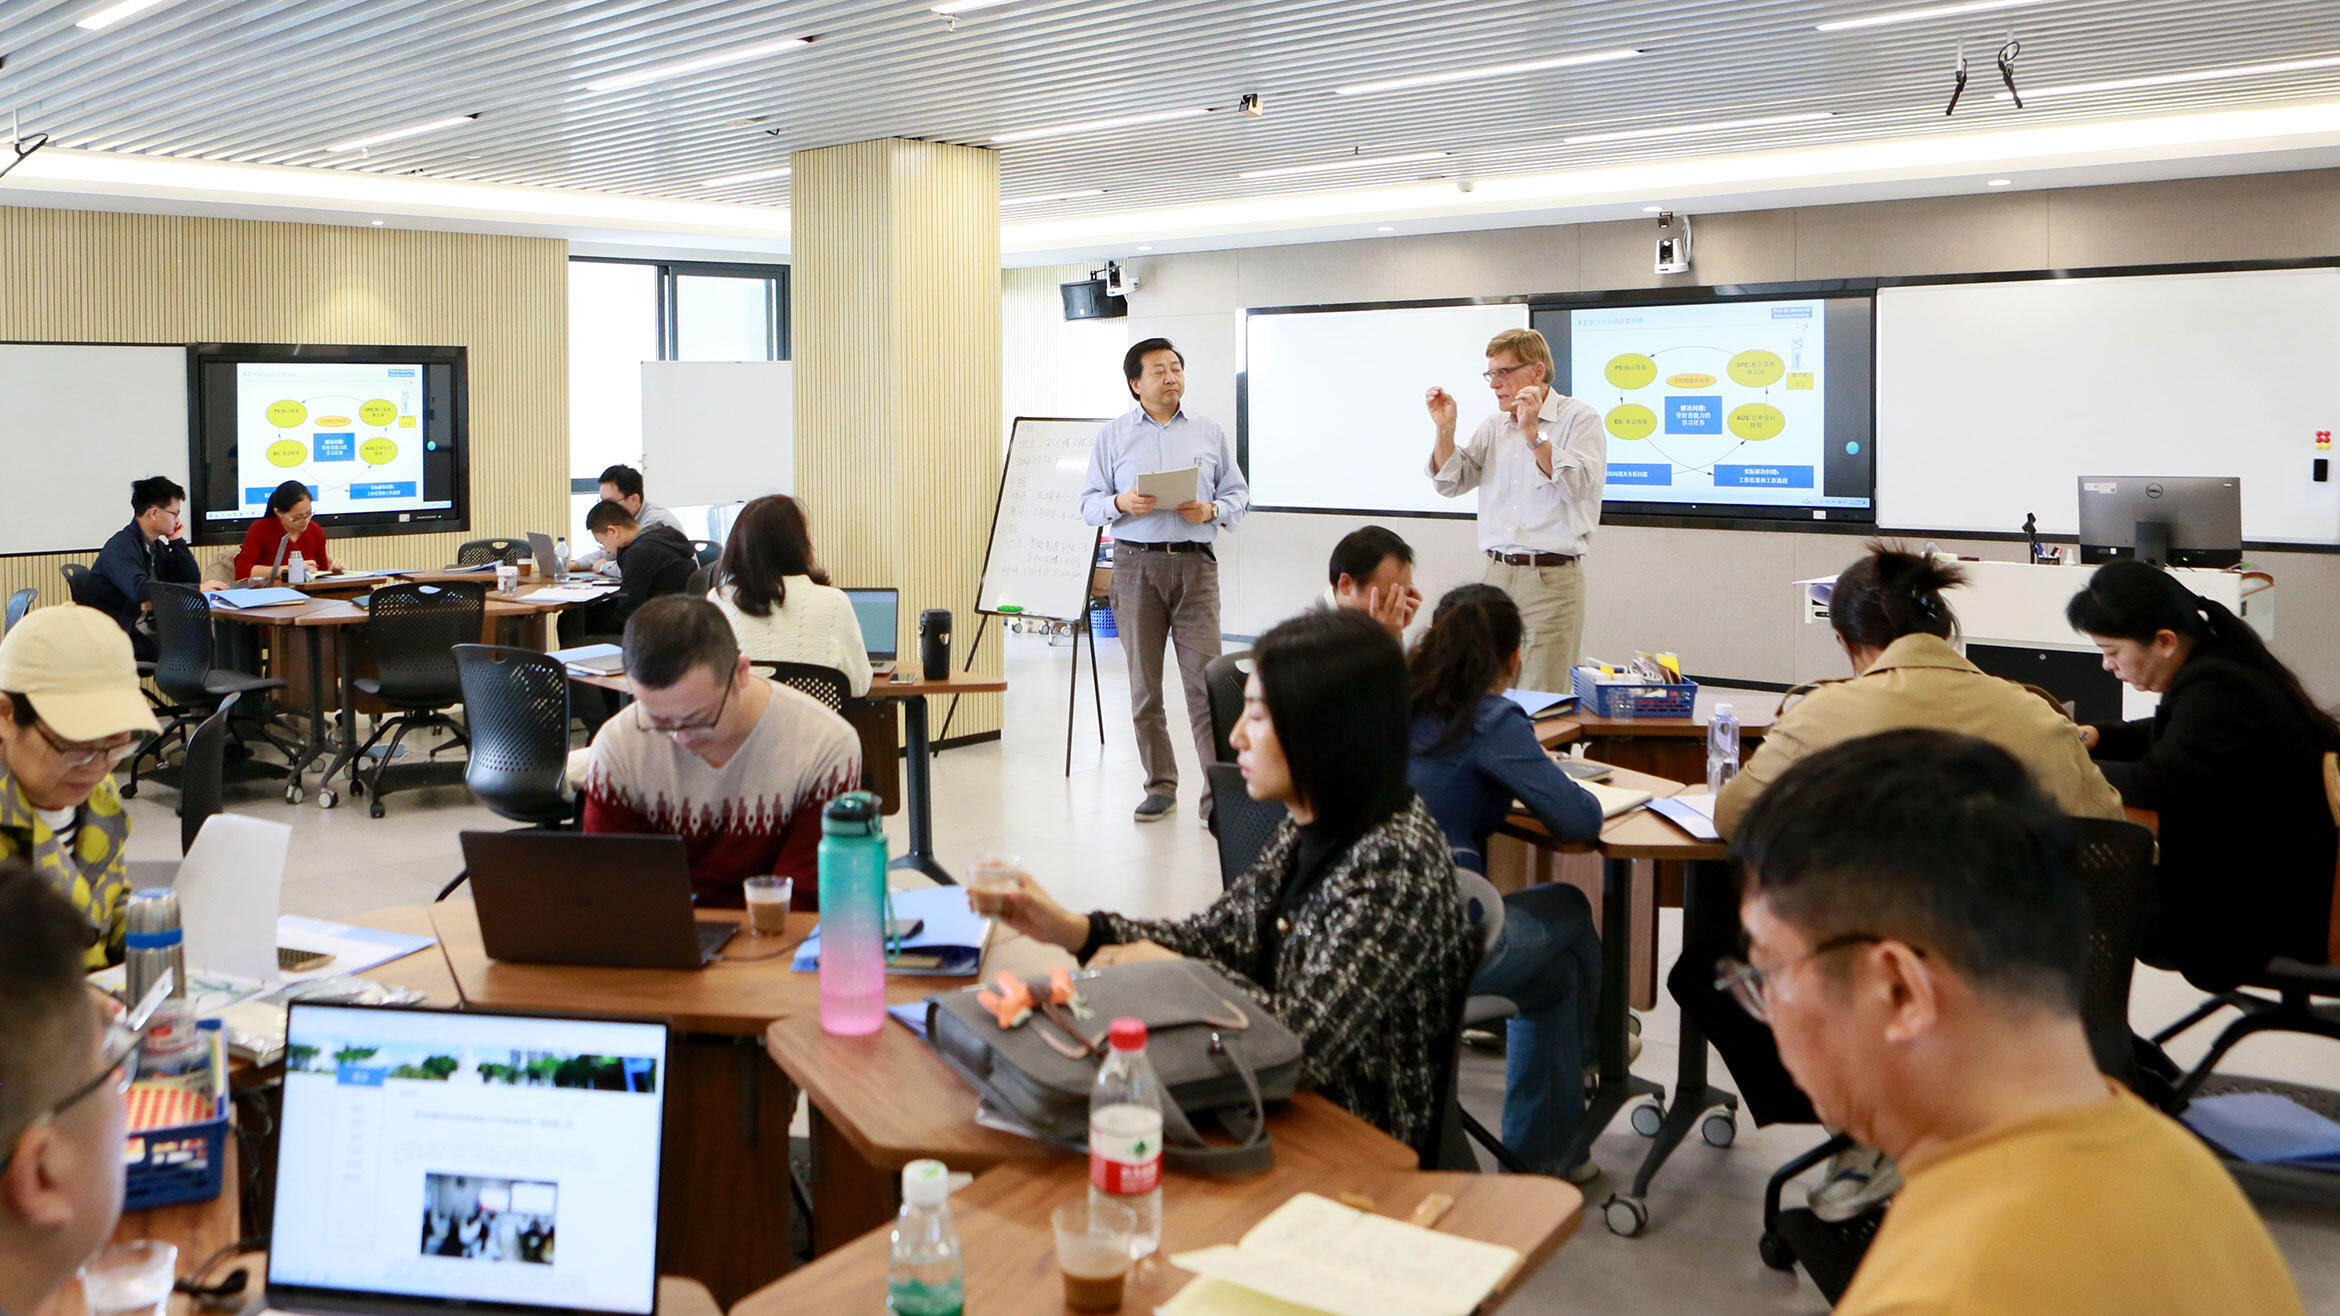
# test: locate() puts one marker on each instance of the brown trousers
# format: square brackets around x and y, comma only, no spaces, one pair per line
[1167,596]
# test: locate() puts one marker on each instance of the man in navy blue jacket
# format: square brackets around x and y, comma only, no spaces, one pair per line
[149,548]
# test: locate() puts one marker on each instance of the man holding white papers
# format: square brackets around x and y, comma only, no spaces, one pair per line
[1538,464]
[1165,576]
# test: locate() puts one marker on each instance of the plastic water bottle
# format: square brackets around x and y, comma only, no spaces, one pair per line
[925,1275]
[296,570]
[1125,1134]
[154,944]
[561,560]
[1722,749]
[853,916]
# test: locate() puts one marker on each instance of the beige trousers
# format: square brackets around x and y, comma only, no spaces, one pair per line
[1551,607]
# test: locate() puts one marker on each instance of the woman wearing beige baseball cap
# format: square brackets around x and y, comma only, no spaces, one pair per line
[70,709]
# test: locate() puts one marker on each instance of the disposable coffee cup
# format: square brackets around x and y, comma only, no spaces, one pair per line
[991,878]
[768,899]
[1092,1253]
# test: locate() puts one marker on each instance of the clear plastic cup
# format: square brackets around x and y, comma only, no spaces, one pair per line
[989,878]
[1092,1252]
[130,1279]
[768,900]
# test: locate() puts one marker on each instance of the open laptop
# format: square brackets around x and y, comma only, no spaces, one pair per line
[570,898]
[880,614]
[444,1161]
[549,565]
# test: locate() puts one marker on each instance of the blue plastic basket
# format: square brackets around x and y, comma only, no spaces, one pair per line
[167,1167]
[1634,698]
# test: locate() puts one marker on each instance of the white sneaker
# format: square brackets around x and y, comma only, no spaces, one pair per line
[1858,1180]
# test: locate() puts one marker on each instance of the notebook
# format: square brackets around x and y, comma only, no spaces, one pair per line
[949,946]
[1314,1255]
[1615,800]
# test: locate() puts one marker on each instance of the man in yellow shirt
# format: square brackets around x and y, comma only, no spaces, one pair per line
[1918,945]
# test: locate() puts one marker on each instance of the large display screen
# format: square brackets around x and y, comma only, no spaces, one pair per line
[376,434]
[1727,407]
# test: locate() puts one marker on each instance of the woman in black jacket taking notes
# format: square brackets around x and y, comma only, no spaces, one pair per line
[2232,760]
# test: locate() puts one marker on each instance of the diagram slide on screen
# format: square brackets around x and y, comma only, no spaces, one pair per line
[1716,403]
[351,431]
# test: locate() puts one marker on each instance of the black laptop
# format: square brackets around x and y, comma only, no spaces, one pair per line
[570,898]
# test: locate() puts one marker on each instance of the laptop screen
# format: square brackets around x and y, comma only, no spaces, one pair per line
[879,611]
[469,1158]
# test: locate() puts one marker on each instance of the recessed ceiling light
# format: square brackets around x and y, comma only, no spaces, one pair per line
[2000,182]
[661,72]
[751,176]
[375,222]
[115,13]
[2191,75]
[1100,125]
[1920,15]
[1347,162]
[1689,129]
[1051,196]
[1653,210]
[1143,247]
[1386,228]
[962,6]
[401,134]
[1483,71]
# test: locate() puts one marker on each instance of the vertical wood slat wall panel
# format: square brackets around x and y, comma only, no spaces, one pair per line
[86,276]
[896,323]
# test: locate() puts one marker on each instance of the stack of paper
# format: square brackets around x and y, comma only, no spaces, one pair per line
[569,593]
[596,659]
[233,600]
[1314,1255]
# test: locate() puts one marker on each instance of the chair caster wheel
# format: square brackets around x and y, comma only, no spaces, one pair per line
[327,799]
[1648,1118]
[378,809]
[1627,1216]
[1719,1128]
[293,794]
[130,790]
[1775,1252]
[357,785]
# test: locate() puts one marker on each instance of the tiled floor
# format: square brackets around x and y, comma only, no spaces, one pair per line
[1075,834]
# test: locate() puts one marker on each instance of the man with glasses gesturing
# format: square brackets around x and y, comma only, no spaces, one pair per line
[738,766]
[1538,464]
[69,711]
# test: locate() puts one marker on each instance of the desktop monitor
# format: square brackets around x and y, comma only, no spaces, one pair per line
[2169,520]
[879,611]
[434,1161]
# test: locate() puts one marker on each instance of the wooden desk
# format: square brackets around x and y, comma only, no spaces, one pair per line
[1672,747]
[1003,1222]
[918,752]
[724,1213]
[878,1103]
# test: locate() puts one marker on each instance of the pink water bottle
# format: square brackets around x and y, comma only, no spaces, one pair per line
[853,916]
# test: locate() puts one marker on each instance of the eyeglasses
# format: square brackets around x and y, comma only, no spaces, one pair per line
[118,1064]
[697,727]
[81,753]
[1751,986]
[1500,373]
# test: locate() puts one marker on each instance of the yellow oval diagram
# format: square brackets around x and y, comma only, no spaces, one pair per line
[286,414]
[379,412]
[378,451]
[1757,369]
[1632,370]
[1691,381]
[1757,420]
[333,420]
[1631,422]
[285,452]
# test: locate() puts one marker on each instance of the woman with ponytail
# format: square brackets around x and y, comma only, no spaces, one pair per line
[1474,752]
[2232,760]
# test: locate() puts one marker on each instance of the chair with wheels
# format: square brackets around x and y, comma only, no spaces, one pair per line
[1224,677]
[706,550]
[480,552]
[196,689]
[2113,864]
[415,629]
[1483,908]
[79,579]
[19,603]
[826,684]
[516,705]
[1245,824]
[696,587]
[202,772]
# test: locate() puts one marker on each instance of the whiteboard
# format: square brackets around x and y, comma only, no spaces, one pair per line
[1040,553]
[1993,398]
[1332,412]
[717,431]
[78,423]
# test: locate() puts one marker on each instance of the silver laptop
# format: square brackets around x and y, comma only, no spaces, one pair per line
[880,613]
[550,566]
[442,1161]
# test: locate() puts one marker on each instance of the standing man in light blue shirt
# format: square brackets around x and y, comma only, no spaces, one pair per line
[1165,576]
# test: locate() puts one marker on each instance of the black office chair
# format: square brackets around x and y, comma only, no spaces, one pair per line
[2114,867]
[1244,824]
[826,684]
[415,629]
[196,689]
[19,603]
[202,773]
[1483,908]
[480,552]
[79,580]
[516,703]
[697,586]
[706,550]
[1224,677]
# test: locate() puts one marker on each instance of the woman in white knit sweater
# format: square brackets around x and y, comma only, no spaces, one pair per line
[778,599]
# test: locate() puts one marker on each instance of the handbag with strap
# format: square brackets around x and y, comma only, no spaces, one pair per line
[1219,1055]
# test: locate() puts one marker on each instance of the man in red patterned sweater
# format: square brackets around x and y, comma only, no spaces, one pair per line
[736,765]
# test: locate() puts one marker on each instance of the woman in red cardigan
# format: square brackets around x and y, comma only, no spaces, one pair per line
[288,517]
